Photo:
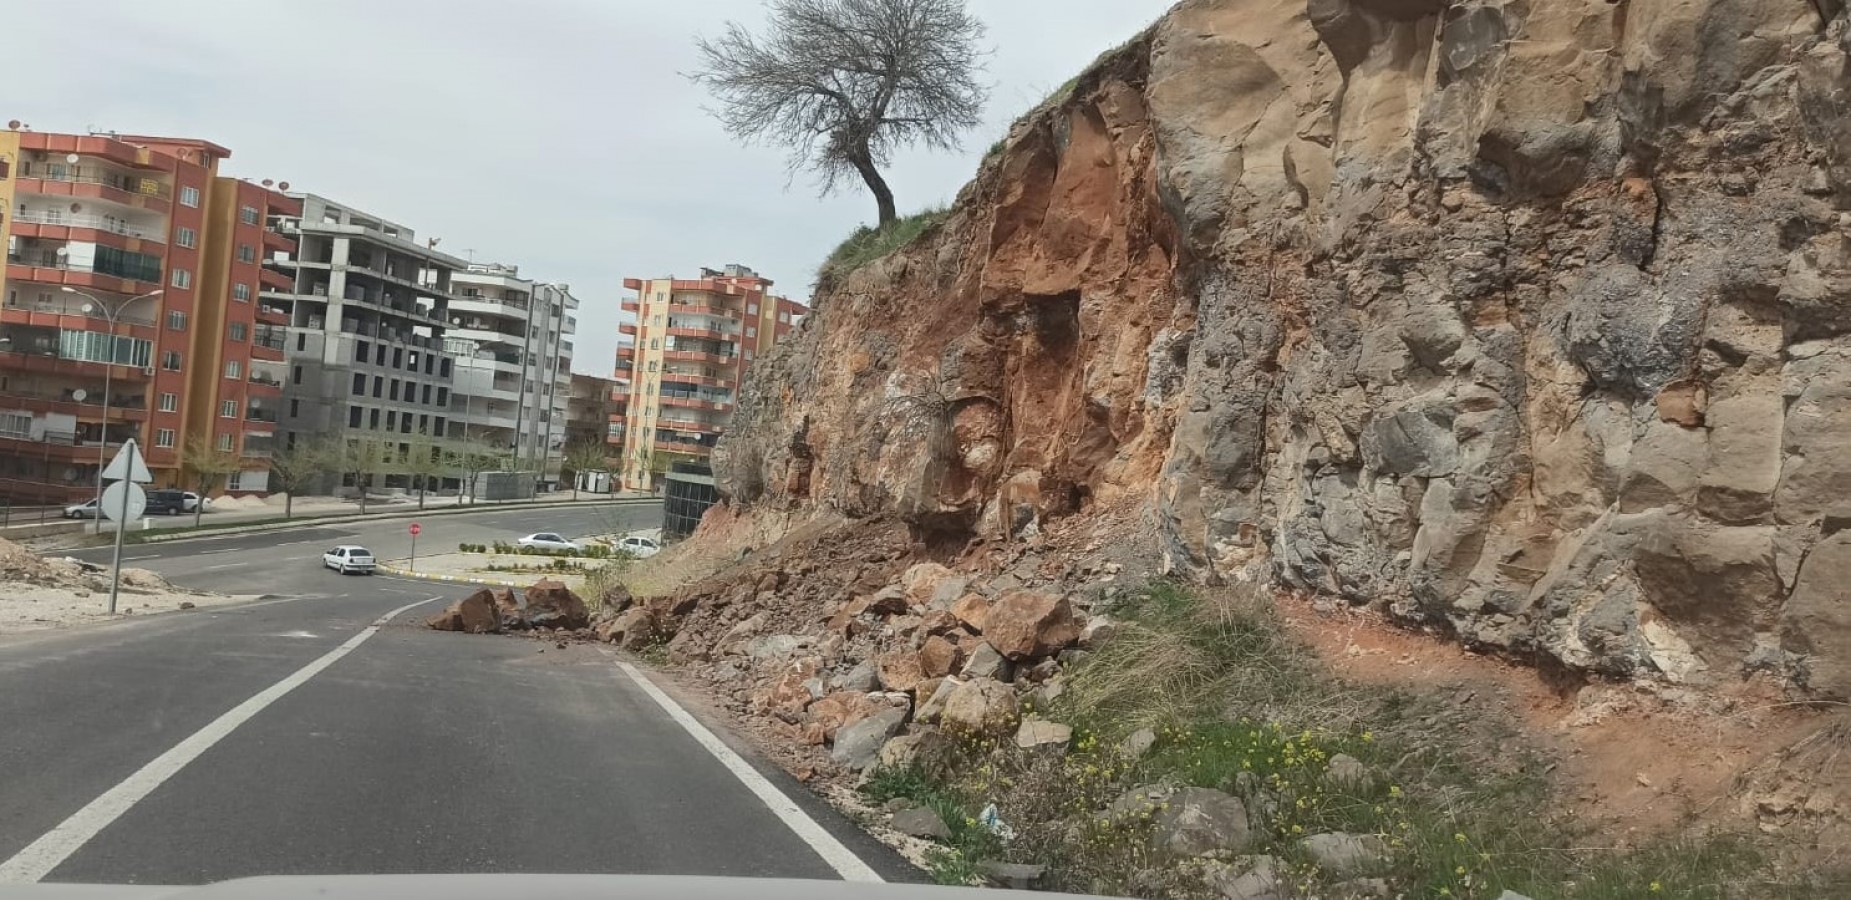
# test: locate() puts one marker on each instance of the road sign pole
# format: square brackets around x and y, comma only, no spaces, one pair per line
[415,530]
[122,527]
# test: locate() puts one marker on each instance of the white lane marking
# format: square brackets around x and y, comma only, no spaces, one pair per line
[225,550]
[225,566]
[138,558]
[53,847]
[839,857]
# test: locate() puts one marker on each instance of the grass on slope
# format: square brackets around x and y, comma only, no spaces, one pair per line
[1460,801]
[869,244]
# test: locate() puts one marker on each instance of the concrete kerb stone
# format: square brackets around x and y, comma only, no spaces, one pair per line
[316,521]
[397,572]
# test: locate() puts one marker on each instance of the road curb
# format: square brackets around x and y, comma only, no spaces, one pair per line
[156,538]
[446,579]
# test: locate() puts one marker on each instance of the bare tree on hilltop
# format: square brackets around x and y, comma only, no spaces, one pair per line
[844,83]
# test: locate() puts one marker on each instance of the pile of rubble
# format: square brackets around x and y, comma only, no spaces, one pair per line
[19,565]
[843,645]
[549,605]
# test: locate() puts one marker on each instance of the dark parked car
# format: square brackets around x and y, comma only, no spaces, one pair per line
[172,503]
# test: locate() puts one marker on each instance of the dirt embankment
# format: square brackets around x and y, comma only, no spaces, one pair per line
[38,592]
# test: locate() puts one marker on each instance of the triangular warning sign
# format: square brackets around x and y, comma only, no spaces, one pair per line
[128,464]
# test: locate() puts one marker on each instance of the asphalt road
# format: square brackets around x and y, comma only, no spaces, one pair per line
[288,562]
[412,751]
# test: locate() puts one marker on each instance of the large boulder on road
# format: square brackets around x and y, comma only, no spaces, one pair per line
[508,610]
[474,614]
[550,604]
[633,629]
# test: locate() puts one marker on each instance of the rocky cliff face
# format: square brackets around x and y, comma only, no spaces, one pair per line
[1531,319]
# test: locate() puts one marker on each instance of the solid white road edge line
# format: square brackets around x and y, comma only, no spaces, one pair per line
[833,852]
[40,857]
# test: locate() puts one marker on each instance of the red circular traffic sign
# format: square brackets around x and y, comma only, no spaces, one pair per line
[416,528]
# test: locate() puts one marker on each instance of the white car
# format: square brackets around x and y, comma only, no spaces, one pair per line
[192,502]
[348,559]
[639,547]
[84,510]
[547,540]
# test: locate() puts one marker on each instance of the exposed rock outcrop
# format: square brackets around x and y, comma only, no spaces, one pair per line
[1532,320]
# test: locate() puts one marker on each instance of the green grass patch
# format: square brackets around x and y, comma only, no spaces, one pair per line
[869,244]
[1456,796]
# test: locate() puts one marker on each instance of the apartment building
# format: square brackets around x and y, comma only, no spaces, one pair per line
[105,240]
[588,409]
[588,422]
[511,339]
[366,304]
[234,395]
[691,346]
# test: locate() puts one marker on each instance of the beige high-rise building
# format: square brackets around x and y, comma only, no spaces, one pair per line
[692,345]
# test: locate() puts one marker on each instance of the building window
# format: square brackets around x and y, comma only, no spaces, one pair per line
[373,420]
[247,215]
[424,423]
[353,417]
[751,331]
[224,442]
[164,437]
[170,402]
[360,351]
[295,408]
[233,482]
[398,357]
[751,309]
[241,293]
[393,393]
[182,278]
[186,237]
[359,384]
[170,360]
[379,386]
[228,409]
[784,317]
[295,374]
[234,369]
[391,420]
[247,253]
[379,358]
[411,361]
[176,321]
[16,424]
[189,196]
[427,395]
[652,365]
[236,330]
[443,396]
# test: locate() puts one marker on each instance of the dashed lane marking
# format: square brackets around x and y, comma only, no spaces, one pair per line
[52,848]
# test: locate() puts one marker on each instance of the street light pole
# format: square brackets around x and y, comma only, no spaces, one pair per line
[109,371]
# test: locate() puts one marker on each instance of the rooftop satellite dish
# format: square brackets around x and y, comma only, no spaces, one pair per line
[267,182]
[283,185]
[72,158]
[13,125]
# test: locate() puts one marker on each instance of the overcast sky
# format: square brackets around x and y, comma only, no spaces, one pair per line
[559,135]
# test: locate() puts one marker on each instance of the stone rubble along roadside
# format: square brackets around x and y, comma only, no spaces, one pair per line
[39,592]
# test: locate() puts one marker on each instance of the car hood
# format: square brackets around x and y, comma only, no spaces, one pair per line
[500,887]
